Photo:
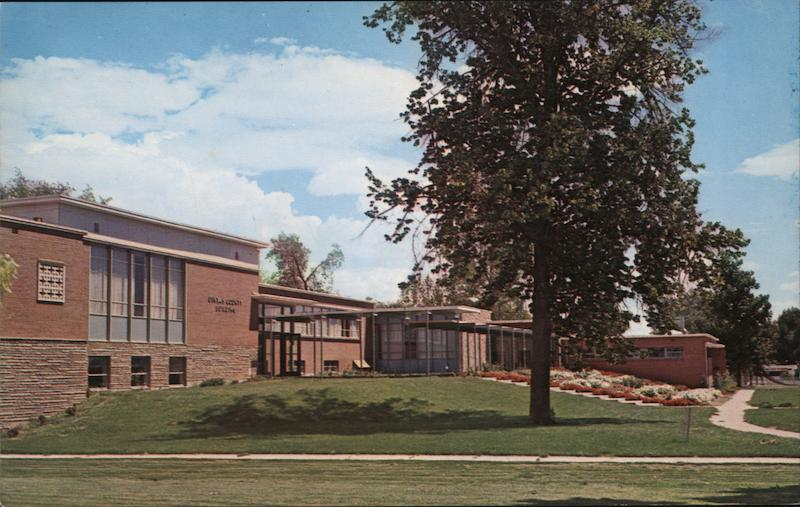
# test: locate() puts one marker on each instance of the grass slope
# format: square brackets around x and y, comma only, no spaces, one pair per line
[409,415]
[770,412]
[96,482]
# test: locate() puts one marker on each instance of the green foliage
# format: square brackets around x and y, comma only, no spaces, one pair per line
[8,273]
[787,343]
[728,307]
[555,158]
[291,258]
[20,186]
[725,382]
[212,382]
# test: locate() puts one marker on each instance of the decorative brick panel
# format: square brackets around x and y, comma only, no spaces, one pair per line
[40,377]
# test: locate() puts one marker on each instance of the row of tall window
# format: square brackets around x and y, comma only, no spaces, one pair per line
[136,296]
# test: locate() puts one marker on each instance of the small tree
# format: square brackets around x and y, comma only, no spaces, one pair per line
[8,272]
[554,158]
[291,257]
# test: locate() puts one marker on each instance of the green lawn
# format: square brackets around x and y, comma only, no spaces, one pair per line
[778,408]
[96,482]
[399,415]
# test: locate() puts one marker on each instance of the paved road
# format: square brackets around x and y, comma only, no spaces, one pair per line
[423,457]
[731,415]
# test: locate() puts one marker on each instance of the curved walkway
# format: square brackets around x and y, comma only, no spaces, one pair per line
[731,415]
[709,460]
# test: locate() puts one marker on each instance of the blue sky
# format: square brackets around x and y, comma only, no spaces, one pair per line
[259,117]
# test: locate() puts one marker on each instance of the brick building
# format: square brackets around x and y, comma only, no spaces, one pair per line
[111,299]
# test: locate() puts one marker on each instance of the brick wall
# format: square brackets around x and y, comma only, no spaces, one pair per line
[343,351]
[205,323]
[40,377]
[21,316]
[690,370]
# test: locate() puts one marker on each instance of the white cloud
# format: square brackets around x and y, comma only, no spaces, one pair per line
[282,41]
[781,161]
[793,285]
[182,141]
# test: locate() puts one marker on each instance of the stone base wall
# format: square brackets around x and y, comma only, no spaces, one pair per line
[40,377]
[45,377]
[202,362]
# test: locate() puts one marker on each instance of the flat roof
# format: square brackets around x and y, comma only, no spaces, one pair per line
[112,210]
[312,292]
[41,225]
[181,254]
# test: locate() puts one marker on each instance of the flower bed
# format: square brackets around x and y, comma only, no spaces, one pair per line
[617,385]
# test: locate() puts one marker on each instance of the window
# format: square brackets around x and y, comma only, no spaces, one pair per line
[99,367]
[330,366]
[120,276]
[659,353]
[51,288]
[140,371]
[346,327]
[300,366]
[674,352]
[177,371]
[98,293]
[139,284]
[175,301]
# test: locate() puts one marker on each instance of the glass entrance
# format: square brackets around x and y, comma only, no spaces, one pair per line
[291,364]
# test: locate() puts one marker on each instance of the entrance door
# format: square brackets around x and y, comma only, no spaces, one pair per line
[291,364]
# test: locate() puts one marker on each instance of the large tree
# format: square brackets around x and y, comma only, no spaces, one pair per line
[21,186]
[787,340]
[554,152]
[291,258]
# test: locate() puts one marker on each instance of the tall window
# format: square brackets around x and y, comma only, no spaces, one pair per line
[120,278]
[176,301]
[140,371]
[139,284]
[98,293]
[158,298]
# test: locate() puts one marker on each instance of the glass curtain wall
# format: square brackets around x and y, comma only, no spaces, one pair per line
[135,296]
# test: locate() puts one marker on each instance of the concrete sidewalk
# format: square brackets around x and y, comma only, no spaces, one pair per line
[731,415]
[477,458]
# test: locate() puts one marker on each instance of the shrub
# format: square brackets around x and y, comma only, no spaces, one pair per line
[785,404]
[725,382]
[210,382]
[71,410]
[12,432]
[42,420]
[631,381]
[678,402]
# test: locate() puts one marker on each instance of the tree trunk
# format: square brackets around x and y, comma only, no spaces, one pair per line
[540,352]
